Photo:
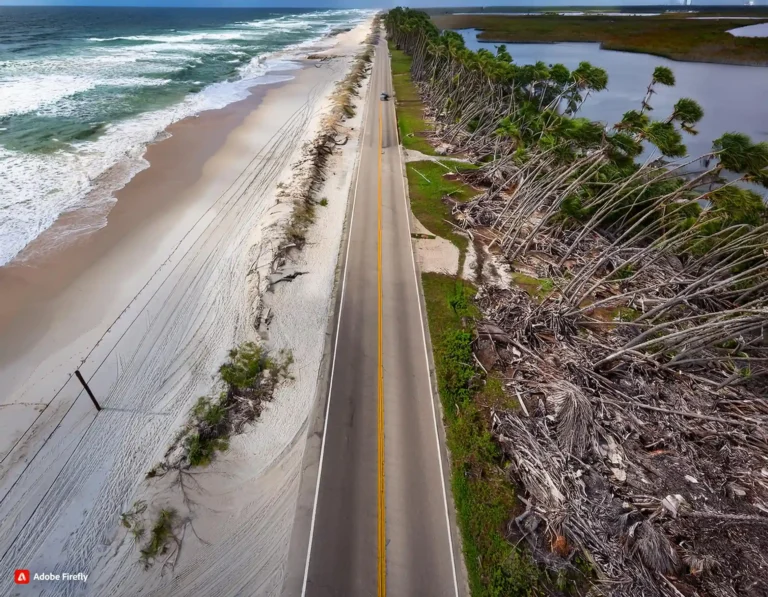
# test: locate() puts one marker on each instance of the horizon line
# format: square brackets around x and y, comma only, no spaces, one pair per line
[178,6]
[330,7]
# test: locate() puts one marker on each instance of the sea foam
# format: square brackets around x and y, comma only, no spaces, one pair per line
[38,185]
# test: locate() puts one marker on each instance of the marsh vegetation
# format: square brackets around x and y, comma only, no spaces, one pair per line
[673,36]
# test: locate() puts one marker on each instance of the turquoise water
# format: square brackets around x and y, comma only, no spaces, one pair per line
[83,90]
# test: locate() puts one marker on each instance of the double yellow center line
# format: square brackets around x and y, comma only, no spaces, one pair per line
[382,527]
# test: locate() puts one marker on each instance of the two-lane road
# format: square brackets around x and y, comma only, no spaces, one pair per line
[379,518]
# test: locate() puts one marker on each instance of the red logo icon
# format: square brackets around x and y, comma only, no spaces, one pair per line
[21,577]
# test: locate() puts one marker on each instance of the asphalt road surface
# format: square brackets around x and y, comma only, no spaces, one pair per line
[378,519]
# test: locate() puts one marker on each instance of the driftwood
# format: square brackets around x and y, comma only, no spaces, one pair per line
[276,278]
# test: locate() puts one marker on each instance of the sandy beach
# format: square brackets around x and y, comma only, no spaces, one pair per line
[147,308]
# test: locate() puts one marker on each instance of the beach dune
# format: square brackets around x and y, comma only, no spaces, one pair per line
[147,307]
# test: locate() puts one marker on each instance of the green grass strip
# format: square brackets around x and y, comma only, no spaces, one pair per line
[427,185]
[410,109]
[484,497]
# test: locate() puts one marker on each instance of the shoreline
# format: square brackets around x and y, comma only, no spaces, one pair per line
[49,179]
[159,192]
[183,268]
[46,268]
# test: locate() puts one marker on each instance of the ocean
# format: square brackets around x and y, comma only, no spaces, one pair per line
[84,90]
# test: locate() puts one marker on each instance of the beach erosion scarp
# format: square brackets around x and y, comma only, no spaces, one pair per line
[147,308]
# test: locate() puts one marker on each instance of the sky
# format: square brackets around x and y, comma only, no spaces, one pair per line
[353,3]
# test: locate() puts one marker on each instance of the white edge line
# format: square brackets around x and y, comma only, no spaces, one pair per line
[336,343]
[426,355]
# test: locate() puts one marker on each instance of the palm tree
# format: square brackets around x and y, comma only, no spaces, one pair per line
[661,76]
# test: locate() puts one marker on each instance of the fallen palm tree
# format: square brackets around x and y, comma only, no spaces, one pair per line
[637,353]
[703,255]
[654,475]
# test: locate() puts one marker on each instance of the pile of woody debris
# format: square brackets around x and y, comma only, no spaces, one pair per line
[658,476]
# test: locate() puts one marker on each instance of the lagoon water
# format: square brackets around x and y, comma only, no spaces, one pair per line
[759,30]
[733,97]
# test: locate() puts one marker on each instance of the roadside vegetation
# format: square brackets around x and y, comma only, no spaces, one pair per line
[481,493]
[605,411]
[433,188]
[672,36]
[410,121]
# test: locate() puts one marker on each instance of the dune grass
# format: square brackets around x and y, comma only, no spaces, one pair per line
[670,36]
[161,537]
[249,378]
